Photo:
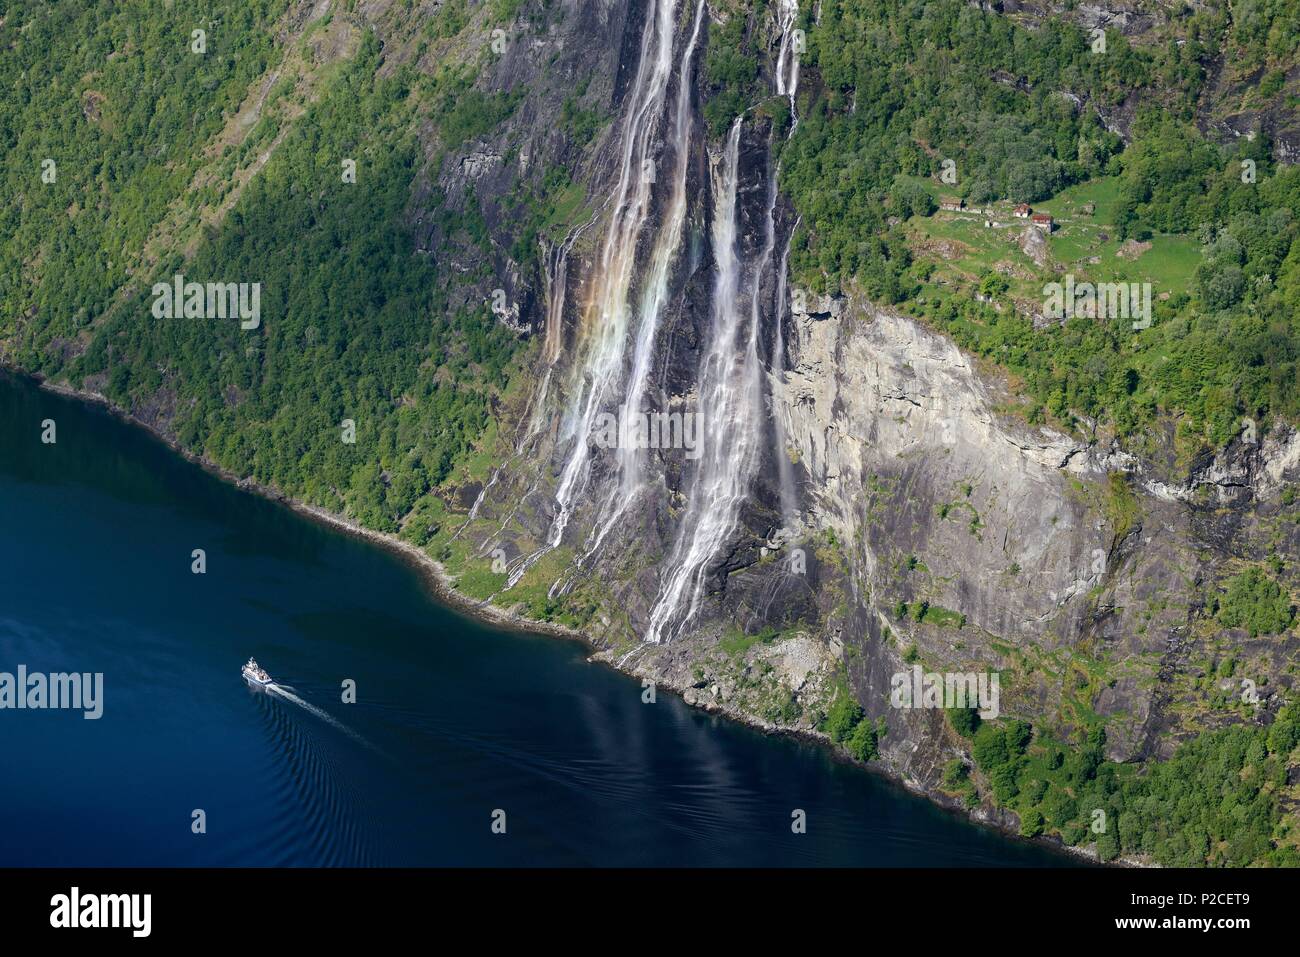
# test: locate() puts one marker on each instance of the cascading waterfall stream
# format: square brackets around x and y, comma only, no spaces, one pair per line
[667,245]
[785,469]
[621,322]
[654,295]
[787,84]
[556,276]
[787,59]
[730,382]
[730,396]
[601,371]
[557,287]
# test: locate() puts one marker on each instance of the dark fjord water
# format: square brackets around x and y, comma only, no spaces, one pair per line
[453,719]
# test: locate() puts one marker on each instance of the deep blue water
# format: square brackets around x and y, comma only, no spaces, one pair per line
[454,719]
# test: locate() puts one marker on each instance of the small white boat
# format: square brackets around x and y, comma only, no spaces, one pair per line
[255,674]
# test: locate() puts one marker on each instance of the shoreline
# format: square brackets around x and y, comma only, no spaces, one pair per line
[443,590]
[442,585]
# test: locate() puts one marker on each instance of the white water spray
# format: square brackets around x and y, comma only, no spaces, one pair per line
[730,392]
[784,468]
[730,387]
[602,369]
[667,245]
[654,295]
[619,329]
[284,692]
[787,84]
[604,363]
[787,59]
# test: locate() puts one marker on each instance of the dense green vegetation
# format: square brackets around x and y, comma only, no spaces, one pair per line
[1215,366]
[356,324]
[1256,602]
[847,724]
[924,612]
[112,95]
[730,73]
[466,113]
[580,124]
[901,87]
[1215,801]
[897,90]
[965,721]
[351,324]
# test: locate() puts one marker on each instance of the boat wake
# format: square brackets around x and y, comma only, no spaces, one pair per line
[284,692]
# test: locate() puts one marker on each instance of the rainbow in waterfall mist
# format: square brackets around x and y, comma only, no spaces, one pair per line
[619,323]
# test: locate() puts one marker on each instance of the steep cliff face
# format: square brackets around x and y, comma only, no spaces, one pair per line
[774,501]
[665,305]
[1055,566]
[871,501]
[579,54]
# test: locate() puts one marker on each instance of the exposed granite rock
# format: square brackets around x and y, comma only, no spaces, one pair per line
[909,462]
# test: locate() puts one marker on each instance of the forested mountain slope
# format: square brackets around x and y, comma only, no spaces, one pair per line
[477,228]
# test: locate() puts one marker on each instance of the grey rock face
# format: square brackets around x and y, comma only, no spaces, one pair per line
[1074,570]
[936,497]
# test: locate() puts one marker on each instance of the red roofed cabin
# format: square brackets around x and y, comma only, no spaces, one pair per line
[1022,211]
[1042,221]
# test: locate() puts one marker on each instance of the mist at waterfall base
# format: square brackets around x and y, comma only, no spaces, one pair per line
[453,719]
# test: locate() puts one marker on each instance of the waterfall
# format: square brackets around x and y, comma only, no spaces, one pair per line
[557,289]
[608,318]
[615,354]
[556,279]
[667,245]
[730,397]
[784,468]
[730,380]
[787,59]
[787,84]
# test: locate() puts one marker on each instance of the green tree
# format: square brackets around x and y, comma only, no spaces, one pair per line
[844,715]
[965,721]
[1256,602]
